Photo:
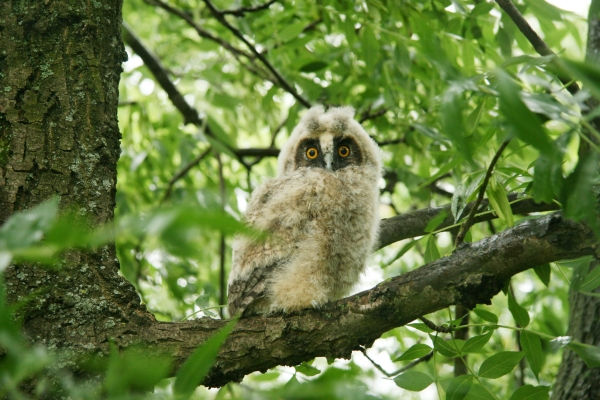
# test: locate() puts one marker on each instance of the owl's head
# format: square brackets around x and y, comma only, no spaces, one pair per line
[332,140]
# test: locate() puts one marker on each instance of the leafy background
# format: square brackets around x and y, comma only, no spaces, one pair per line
[439,84]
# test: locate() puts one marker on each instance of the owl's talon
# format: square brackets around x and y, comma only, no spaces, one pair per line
[315,305]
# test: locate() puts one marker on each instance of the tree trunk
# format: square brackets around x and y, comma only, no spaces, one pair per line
[575,380]
[60,65]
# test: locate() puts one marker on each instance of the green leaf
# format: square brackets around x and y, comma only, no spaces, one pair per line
[197,365]
[289,32]
[436,221]
[442,171]
[313,66]
[529,392]
[431,250]
[588,353]
[474,117]
[482,8]
[520,314]
[547,178]
[588,73]
[452,121]
[421,326]
[525,124]
[478,392]
[370,48]
[458,387]
[578,200]
[404,250]
[220,141]
[23,229]
[134,370]
[307,369]
[532,347]
[581,269]
[499,201]
[543,272]
[591,281]
[416,351]
[445,348]
[413,380]
[486,315]
[476,343]
[500,364]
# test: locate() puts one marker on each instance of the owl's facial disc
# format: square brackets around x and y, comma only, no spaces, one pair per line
[328,152]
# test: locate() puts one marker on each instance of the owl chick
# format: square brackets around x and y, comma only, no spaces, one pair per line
[321,213]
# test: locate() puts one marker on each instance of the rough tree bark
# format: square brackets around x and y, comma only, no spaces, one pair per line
[59,73]
[59,70]
[575,380]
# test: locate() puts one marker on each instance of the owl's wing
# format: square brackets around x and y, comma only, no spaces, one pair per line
[255,261]
[247,295]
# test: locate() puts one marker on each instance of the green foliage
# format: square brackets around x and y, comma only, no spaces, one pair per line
[500,364]
[196,367]
[449,80]
[413,380]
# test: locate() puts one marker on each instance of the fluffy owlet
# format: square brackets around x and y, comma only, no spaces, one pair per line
[321,213]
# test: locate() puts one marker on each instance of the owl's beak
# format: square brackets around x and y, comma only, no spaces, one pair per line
[328,160]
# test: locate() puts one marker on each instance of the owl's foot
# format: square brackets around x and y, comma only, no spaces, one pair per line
[315,305]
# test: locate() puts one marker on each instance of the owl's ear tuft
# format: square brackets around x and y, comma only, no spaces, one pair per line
[311,119]
[340,118]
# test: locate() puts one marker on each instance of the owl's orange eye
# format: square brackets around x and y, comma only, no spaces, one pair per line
[312,153]
[344,151]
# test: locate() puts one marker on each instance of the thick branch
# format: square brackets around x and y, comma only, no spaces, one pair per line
[412,224]
[469,276]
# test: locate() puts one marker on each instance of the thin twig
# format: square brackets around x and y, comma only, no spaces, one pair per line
[240,12]
[258,152]
[201,32]
[312,25]
[469,222]
[399,371]
[282,82]
[431,325]
[222,298]
[368,115]
[538,44]
[183,172]
[460,363]
[391,141]
[190,115]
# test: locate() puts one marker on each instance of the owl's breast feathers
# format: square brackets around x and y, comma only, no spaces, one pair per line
[320,230]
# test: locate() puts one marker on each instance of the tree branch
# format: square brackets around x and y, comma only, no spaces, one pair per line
[538,44]
[367,115]
[469,222]
[413,224]
[282,82]
[190,115]
[240,12]
[469,276]
[201,32]
[183,172]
